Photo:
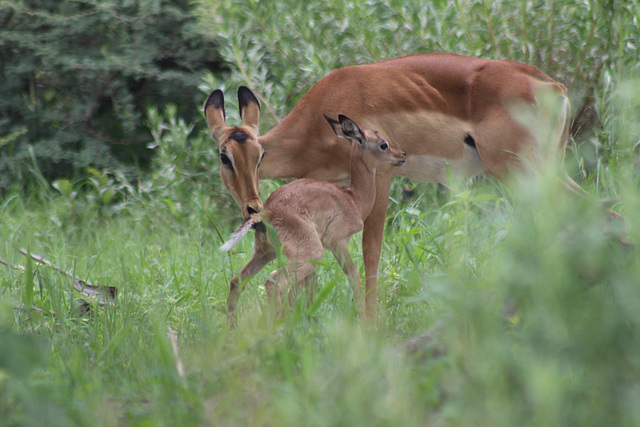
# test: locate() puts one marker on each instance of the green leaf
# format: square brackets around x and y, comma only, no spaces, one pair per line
[107,196]
[64,186]
[27,295]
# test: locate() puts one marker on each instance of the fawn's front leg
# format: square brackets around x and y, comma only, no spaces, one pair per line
[262,255]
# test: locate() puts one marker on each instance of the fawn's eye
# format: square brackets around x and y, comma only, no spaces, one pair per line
[384,146]
[261,157]
[225,159]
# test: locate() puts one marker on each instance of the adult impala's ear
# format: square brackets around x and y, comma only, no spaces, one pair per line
[335,125]
[350,129]
[214,112]
[249,108]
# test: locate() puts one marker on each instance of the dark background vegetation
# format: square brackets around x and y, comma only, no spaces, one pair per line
[78,78]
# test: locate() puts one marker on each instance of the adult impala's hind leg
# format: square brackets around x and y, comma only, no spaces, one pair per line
[263,253]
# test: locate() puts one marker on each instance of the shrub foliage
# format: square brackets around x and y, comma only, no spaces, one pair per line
[78,76]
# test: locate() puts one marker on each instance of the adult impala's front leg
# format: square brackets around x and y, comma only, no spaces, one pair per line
[372,235]
[341,252]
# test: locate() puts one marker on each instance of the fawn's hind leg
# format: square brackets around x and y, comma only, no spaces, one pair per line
[305,284]
[305,246]
[288,278]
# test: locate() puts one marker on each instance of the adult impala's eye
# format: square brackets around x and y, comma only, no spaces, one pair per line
[384,146]
[261,157]
[225,159]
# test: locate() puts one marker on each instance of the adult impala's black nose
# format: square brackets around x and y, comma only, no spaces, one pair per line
[252,207]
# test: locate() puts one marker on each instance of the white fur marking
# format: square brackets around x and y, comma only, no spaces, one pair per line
[237,236]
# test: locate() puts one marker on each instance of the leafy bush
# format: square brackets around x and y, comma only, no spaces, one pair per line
[185,178]
[545,331]
[78,77]
[96,196]
[542,323]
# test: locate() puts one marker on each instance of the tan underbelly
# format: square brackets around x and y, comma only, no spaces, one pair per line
[426,168]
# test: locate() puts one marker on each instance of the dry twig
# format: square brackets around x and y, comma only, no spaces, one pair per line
[173,337]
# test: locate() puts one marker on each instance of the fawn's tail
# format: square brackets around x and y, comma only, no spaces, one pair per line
[254,221]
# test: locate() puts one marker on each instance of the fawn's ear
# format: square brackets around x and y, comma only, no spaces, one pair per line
[350,129]
[249,108]
[345,128]
[214,112]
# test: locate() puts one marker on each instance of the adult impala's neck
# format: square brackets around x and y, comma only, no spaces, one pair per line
[362,188]
[304,149]
[280,149]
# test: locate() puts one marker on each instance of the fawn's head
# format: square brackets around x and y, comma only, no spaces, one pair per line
[376,151]
[240,151]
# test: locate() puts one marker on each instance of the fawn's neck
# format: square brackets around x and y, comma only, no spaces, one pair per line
[363,186]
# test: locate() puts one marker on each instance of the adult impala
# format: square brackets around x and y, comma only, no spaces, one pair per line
[441,109]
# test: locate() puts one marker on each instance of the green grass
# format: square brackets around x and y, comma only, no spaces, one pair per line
[533,299]
[537,307]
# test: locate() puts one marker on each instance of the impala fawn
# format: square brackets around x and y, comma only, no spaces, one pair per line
[310,215]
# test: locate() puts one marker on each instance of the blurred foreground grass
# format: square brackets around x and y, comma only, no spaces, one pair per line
[534,299]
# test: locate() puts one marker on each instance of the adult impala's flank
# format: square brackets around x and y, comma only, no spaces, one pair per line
[441,109]
[310,215]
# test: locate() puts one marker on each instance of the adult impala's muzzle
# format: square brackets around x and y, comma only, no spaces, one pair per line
[253,206]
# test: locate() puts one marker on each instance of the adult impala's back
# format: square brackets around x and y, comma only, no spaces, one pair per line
[441,109]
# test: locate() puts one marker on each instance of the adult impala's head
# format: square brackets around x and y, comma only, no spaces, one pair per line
[240,152]
[376,151]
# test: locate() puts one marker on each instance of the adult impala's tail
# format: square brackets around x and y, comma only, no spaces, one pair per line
[253,221]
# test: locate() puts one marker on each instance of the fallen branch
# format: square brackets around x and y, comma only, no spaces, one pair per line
[13,266]
[103,294]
